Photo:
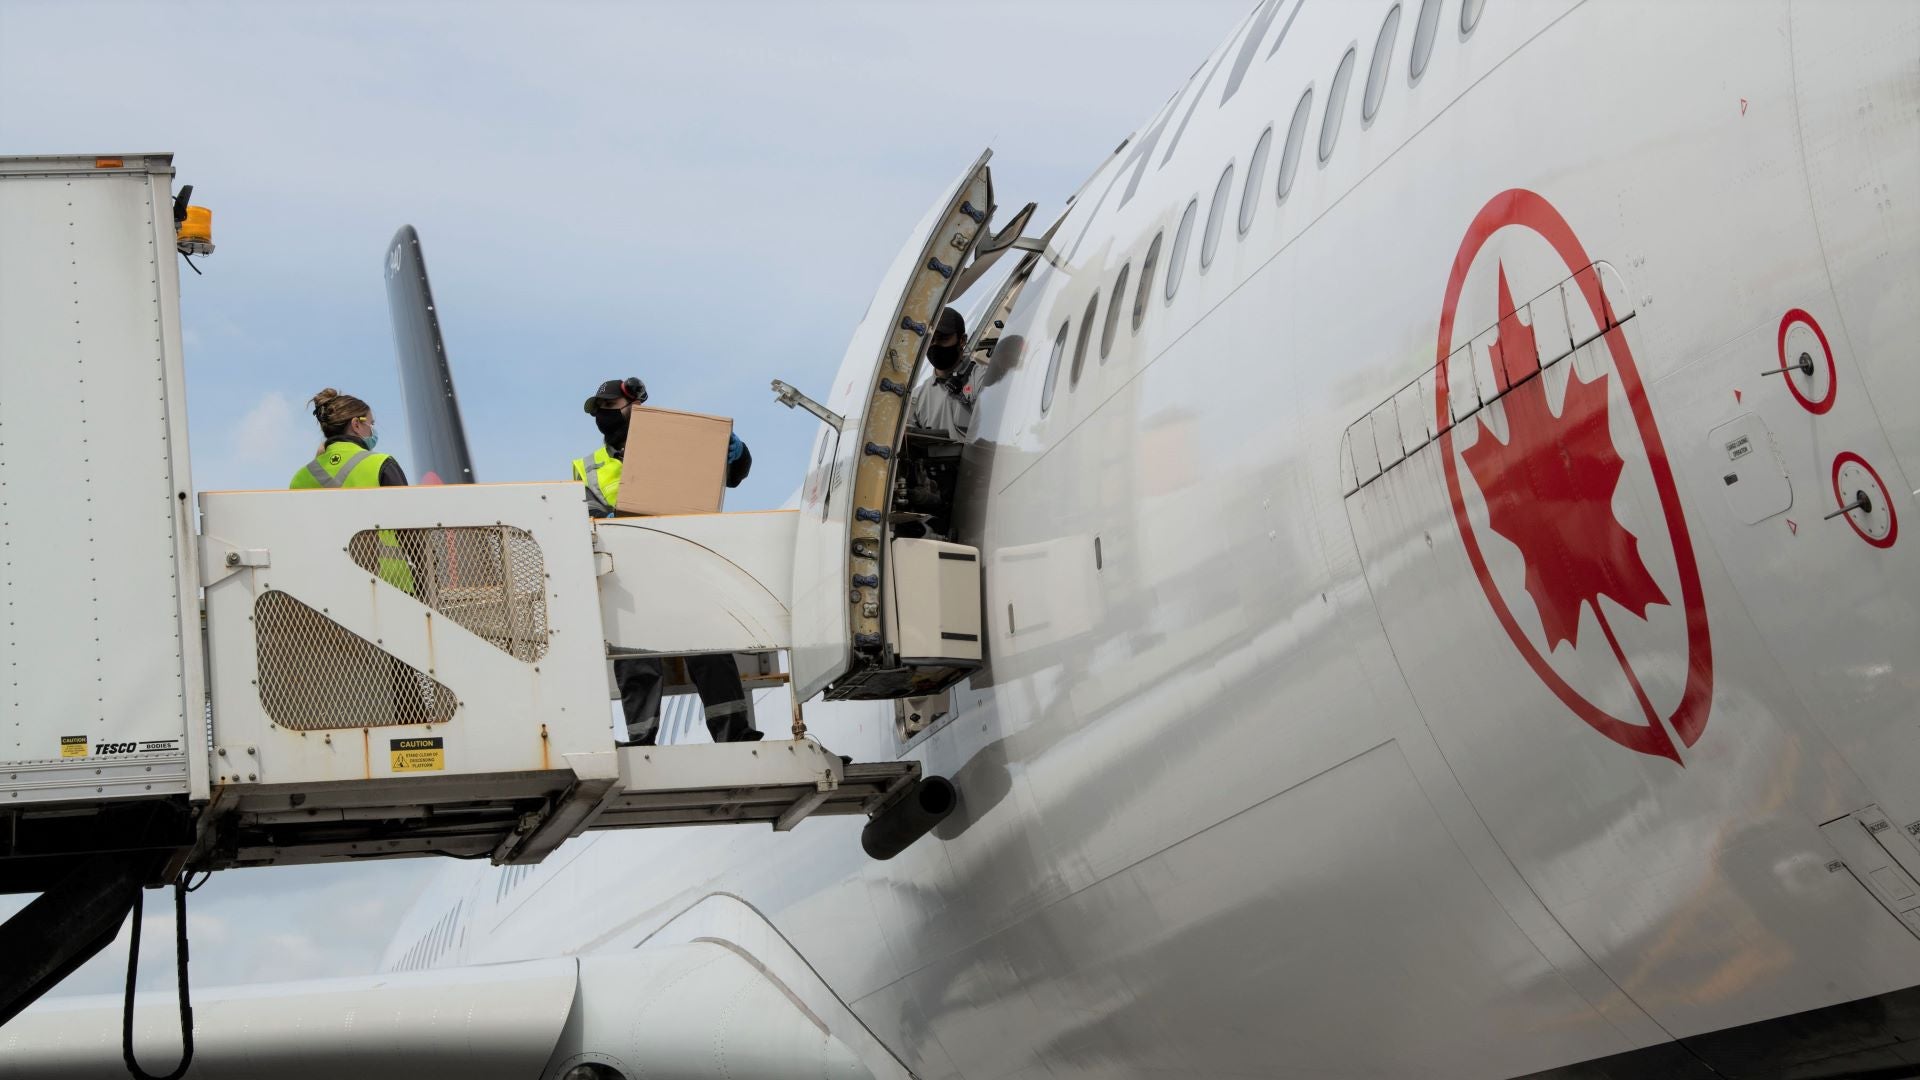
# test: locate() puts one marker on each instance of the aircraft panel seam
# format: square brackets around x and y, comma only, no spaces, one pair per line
[798,953]
[1117,871]
[1813,215]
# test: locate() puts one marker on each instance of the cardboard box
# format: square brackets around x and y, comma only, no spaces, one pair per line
[676,463]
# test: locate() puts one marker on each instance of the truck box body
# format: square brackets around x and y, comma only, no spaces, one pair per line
[100,647]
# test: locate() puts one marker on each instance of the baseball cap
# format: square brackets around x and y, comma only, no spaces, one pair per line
[615,391]
[951,323]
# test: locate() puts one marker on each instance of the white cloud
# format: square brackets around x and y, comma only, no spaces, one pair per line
[266,430]
[266,444]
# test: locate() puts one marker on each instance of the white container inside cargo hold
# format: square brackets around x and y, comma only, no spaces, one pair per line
[404,641]
[933,610]
[103,691]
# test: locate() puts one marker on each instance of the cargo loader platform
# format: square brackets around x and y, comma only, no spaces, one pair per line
[465,711]
[770,783]
[296,676]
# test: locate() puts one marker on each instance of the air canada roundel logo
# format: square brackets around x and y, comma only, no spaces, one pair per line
[1561,488]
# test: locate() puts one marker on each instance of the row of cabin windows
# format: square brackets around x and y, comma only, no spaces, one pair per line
[1425,30]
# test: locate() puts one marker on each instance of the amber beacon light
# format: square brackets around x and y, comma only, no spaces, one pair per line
[192,226]
[195,231]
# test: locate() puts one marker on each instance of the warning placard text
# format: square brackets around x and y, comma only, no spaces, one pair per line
[417,755]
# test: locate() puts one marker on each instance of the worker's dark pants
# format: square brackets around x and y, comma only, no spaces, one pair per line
[729,718]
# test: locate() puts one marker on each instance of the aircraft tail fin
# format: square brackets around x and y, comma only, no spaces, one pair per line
[440,453]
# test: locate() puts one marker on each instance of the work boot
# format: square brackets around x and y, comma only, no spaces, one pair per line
[731,722]
[735,728]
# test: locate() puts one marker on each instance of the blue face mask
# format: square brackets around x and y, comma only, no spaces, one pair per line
[373,439]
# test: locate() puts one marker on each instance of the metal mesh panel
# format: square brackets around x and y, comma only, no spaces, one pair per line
[491,579]
[316,674]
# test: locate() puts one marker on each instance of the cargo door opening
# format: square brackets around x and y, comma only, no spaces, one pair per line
[885,604]
[927,478]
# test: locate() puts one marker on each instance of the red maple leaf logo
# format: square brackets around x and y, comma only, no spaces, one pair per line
[1549,489]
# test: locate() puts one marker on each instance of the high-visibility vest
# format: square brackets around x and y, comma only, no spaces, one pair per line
[349,465]
[600,471]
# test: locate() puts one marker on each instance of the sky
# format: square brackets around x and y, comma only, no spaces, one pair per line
[700,194]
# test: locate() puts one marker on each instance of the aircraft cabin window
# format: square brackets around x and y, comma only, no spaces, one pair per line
[1216,217]
[1470,15]
[1382,60]
[1423,35]
[1256,172]
[1145,293]
[1181,237]
[1080,343]
[1296,134]
[1053,369]
[1336,107]
[1118,293]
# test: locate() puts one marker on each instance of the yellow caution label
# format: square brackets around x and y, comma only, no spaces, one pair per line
[417,755]
[73,746]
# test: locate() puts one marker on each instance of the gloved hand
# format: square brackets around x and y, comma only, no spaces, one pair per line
[739,460]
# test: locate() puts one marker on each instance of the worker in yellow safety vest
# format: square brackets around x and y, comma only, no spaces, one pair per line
[347,460]
[611,406]
[640,678]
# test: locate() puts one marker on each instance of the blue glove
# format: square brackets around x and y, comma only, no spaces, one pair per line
[734,448]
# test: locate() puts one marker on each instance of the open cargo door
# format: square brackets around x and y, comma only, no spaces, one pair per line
[838,624]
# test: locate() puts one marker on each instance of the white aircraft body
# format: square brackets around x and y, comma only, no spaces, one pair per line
[1422,639]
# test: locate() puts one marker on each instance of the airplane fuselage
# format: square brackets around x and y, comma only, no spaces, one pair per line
[1536,729]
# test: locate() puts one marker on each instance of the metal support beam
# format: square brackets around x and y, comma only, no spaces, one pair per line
[65,926]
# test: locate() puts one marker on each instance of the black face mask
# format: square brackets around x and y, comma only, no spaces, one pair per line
[943,357]
[613,426]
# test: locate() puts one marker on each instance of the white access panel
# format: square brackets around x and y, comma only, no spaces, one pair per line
[1883,860]
[1753,478]
[100,651]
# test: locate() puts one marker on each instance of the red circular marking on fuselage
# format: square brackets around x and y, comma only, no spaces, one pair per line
[1525,209]
[1839,499]
[1820,407]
